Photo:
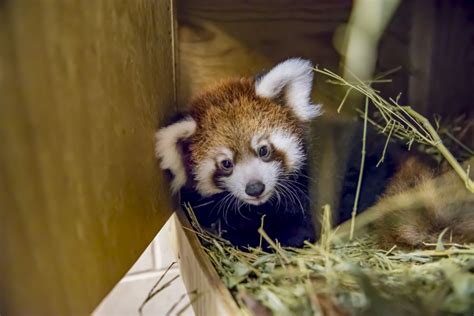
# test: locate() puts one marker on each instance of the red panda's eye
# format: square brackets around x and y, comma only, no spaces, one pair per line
[226,164]
[263,151]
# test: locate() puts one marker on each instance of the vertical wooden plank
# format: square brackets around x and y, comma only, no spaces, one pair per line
[441,55]
[421,53]
[82,86]
[452,62]
[394,51]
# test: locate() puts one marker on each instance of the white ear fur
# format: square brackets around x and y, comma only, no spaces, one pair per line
[166,149]
[295,75]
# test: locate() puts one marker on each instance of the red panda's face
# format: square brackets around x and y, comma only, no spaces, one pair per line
[244,144]
[245,136]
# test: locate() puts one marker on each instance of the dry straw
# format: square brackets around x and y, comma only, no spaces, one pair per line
[400,121]
[354,278]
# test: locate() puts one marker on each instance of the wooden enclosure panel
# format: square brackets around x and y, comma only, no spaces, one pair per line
[432,42]
[452,58]
[394,52]
[210,297]
[82,87]
[218,39]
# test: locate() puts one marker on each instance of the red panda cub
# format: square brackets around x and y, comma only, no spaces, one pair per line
[240,154]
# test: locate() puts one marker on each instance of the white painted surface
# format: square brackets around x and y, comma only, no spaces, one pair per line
[127,296]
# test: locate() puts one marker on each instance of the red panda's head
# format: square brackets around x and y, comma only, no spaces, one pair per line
[245,135]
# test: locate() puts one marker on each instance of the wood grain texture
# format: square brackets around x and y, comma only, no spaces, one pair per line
[394,51]
[433,42]
[212,298]
[452,59]
[421,47]
[82,87]
[218,39]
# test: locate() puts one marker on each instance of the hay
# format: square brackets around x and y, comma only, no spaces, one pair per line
[341,279]
[399,121]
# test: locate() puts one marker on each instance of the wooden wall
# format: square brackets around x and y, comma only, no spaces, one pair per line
[431,40]
[82,87]
[235,38]
[451,57]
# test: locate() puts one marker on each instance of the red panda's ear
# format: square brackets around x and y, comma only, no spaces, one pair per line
[167,149]
[294,79]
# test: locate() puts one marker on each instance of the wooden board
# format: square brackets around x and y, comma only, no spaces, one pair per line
[211,297]
[218,39]
[452,58]
[82,87]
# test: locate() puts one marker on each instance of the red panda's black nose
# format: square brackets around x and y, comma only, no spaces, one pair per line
[254,188]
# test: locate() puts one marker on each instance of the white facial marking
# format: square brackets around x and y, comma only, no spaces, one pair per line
[203,175]
[205,171]
[295,76]
[291,145]
[253,169]
[167,151]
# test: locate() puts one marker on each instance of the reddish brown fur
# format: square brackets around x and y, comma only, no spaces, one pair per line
[229,113]
[444,204]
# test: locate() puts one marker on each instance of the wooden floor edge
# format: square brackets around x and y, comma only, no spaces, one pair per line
[206,290]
